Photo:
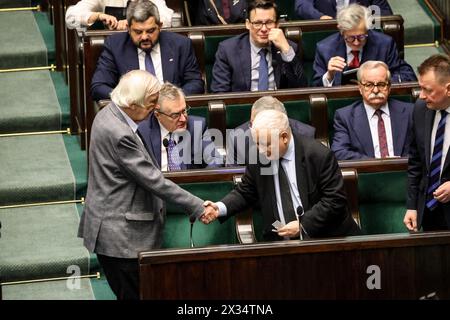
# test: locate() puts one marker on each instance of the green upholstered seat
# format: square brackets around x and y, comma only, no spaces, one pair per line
[211,45]
[177,228]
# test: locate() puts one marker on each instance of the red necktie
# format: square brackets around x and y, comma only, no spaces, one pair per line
[226,9]
[355,62]
[384,151]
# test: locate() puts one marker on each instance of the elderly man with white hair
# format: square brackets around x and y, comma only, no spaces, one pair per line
[353,45]
[125,205]
[300,191]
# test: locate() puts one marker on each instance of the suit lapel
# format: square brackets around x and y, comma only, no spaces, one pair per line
[342,52]
[362,128]
[246,61]
[167,58]
[301,174]
[276,63]
[155,138]
[398,126]
[131,56]
[429,118]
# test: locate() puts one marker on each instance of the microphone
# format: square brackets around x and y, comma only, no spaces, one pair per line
[165,143]
[302,231]
[192,221]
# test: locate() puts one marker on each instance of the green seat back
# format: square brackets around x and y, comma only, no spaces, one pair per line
[382,202]
[177,228]
[199,111]
[211,45]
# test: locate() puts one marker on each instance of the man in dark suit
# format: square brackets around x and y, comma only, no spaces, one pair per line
[376,127]
[262,59]
[301,187]
[125,207]
[327,9]
[169,56]
[213,12]
[177,141]
[241,142]
[428,203]
[352,46]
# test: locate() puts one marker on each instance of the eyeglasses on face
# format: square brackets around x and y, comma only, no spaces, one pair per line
[259,24]
[360,37]
[176,115]
[370,85]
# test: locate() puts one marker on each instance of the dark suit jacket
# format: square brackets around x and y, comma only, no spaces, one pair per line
[314,9]
[232,68]
[321,189]
[150,131]
[378,47]
[241,151]
[352,138]
[119,55]
[419,162]
[206,15]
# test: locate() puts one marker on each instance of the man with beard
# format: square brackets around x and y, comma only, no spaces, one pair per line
[376,127]
[168,56]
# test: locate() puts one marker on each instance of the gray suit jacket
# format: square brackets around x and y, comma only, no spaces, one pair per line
[125,207]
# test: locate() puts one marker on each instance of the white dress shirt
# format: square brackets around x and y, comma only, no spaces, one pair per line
[350,57]
[156,59]
[373,123]
[446,145]
[165,134]
[77,16]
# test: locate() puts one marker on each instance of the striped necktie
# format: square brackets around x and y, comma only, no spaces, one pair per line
[434,175]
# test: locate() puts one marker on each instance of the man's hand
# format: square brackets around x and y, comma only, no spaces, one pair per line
[410,220]
[325,18]
[122,25]
[109,21]
[442,193]
[336,64]
[276,36]
[211,212]
[291,230]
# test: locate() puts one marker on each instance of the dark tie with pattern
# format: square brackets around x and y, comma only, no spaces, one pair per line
[263,76]
[173,157]
[434,175]
[382,140]
[355,61]
[285,194]
[226,9]
[149,63]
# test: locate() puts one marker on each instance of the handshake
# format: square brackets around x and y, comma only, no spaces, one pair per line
[210,213]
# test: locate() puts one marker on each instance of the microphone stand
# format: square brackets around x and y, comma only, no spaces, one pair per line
[192,221]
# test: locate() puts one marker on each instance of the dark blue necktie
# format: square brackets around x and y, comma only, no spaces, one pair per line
[263,77]
[173,157]
[149,63]
[434,175]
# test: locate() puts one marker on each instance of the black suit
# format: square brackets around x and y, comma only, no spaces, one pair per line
[321,189]
[419,164]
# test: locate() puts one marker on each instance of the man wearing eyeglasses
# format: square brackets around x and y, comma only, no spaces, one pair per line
[377,126]
[178,141]
[262,59]
[353,45]
[168,56]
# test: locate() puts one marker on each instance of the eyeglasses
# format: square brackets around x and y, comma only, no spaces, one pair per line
[259,24]
[371,85]
[360,37]
[176,115]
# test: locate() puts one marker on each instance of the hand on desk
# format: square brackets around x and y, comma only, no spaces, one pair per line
[211,212]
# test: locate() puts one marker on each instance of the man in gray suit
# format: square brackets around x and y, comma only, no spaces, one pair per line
[125,204]
[241,149]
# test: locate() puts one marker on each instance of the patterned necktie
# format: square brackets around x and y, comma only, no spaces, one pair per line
[384,151]
[434,175]
[226,9]
[173,156]
[149,63]
[355,61]
[285,194]
[263,77]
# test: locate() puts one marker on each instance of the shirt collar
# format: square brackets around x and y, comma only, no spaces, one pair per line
[371,111]
[164,132]
[255,49]
[290,152]
[155,49]
[133,125]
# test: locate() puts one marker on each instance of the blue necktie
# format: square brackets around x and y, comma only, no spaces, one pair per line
[173,157]
[434,175]
[149,63]
[263,77]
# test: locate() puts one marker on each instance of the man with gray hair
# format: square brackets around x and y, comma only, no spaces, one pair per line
[167,55]
[377,126]
[301,192]
[178,140]
[351,46]
[241,149]
[125,206]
